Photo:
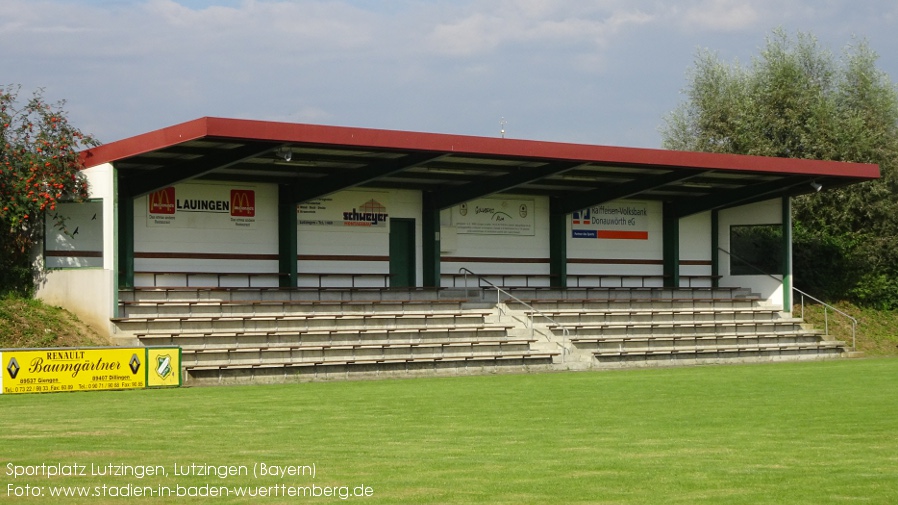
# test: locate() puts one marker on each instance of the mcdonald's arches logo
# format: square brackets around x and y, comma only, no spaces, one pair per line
[243,203]
[163,201]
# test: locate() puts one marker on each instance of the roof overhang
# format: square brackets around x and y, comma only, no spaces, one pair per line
[314,160]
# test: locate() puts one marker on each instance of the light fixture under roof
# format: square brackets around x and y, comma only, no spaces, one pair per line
[285,152]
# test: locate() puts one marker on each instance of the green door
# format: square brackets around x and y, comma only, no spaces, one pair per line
[402,253]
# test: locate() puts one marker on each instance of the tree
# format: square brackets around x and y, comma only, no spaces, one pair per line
[39,167]
[797,100]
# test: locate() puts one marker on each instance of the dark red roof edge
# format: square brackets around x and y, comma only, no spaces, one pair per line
[243,129]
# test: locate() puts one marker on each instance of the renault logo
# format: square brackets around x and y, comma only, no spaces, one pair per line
[13,368]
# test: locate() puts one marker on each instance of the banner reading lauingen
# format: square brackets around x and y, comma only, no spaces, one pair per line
[209,205]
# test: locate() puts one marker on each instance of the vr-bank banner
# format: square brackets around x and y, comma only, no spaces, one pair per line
[88,369]
[614,220]
[208,205]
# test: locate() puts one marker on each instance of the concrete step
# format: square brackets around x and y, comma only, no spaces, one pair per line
[323,337]
[671,342]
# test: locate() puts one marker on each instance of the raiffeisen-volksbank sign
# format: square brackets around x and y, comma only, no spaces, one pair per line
[615,221]
[59,370]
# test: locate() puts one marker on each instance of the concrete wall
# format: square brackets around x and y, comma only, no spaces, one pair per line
[618,238]
[334,238]
[496,237]
[86,288]
[767,212]
[696,249]
[85,292]
[196,228]
[343,240]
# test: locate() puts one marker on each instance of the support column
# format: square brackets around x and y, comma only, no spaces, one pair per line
[124,223]
[671,246]
[715,248]
[287,238]
[787,254]
[557,245]
[430,241]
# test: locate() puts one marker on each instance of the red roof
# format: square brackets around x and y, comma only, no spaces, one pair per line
[323,156]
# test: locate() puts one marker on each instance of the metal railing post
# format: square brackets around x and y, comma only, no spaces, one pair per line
[826,308]
[499,291]
[825,305]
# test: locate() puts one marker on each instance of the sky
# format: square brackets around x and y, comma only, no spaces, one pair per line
[586,71]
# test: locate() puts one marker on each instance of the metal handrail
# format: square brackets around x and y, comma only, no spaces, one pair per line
[743,260]
[564,331]
[825,305]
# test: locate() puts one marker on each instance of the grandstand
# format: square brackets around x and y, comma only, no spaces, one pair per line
[279,251]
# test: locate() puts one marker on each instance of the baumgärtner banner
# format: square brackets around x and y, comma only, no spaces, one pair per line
[88,369]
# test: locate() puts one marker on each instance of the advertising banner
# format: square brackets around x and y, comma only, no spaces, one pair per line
[163,366]
[362,211]
[495,216]
[211,205]
[614,220]
[88,369]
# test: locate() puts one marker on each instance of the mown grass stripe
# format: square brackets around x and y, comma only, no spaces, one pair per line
[815,433]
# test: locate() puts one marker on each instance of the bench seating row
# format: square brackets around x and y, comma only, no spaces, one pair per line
[525,357]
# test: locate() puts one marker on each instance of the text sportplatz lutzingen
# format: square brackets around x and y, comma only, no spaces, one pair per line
[274,481]
[256,470]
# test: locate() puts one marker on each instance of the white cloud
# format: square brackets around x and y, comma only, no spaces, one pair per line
[559,24]
[559,69]
[721,15]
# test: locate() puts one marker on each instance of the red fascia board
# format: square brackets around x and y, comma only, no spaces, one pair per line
[144,143]
[398,140]
[501,147]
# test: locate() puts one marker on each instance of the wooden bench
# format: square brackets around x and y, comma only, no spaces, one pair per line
[637,280]
[503,280]
[711,349]
[281,347]
[709,337]
[342,336]
[633,300]
[403,306]
[218,276]
[674,324]
[399,317]
[383,279]
[391,360]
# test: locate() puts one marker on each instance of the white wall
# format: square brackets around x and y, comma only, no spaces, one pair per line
[203,240]
[517,245]
[695,249]
[89,292]
[326,244]
[79,243]
[618,256]
[766,212]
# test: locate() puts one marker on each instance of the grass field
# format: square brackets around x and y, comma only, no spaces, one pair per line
[814,433]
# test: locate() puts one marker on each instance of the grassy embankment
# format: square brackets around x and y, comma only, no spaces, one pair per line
[877,330]
[30,323]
